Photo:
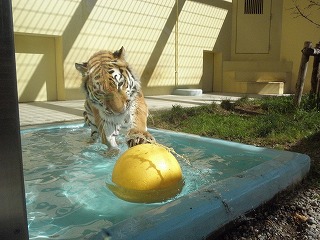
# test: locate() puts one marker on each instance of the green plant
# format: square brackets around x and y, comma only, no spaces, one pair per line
[282,104]
[274,122]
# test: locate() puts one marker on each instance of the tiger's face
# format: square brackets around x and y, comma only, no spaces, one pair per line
[108,81]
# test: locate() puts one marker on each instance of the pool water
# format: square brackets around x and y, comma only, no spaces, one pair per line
[65,177]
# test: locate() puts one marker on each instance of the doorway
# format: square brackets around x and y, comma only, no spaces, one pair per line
[207,74]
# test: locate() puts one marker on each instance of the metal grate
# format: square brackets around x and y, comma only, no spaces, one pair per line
[253,7]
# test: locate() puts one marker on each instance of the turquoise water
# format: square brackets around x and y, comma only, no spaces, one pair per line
[65,177]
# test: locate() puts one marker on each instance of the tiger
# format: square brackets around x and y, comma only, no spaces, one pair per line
[114,100]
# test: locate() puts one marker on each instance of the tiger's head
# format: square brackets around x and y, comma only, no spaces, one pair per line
[108,81]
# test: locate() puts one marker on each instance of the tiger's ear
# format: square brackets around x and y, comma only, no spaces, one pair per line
[119,53]
[82,68]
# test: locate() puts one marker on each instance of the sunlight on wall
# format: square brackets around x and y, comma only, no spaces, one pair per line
[164,72]
[44,75]
[42,17]
[28,64]
[146,29]
[136,25]
[199,28]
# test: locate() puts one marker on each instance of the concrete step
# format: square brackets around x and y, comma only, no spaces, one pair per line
[265,87]
[254,76]
[259,77]
[260,87]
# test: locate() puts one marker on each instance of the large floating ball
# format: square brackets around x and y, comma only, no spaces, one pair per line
[146,173]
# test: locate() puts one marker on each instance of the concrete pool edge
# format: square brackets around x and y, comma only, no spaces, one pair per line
[209,209]
[201,213]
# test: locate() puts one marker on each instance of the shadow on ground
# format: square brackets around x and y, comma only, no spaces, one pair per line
[311,147]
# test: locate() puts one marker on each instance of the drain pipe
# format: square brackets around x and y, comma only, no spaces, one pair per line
[13,215]
[176,45]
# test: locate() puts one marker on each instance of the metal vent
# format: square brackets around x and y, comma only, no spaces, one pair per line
[253,7]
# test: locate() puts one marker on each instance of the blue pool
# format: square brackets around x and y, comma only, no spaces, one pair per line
[67,197]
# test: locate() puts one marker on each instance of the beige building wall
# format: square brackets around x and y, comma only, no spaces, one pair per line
[170,44]
[256,36]
[136,25]
[295,31]
[39,27]
[266,47]
[165,42]
[36,71]
[255,66]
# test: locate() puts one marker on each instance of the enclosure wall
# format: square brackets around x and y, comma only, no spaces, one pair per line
[164,41]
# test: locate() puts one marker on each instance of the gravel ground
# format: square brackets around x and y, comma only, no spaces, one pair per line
[292,214]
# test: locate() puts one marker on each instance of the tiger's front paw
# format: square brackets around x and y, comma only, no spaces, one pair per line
[136,137]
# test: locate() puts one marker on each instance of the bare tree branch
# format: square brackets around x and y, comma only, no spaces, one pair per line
[314,3]
[305,12]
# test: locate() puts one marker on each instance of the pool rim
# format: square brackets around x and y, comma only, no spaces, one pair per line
[207,210]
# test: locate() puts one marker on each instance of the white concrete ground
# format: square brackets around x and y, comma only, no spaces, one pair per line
[35,113]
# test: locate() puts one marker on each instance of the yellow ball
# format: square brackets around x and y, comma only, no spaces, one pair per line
[146,173]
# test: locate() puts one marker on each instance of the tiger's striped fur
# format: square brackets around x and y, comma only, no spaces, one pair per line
[114,100]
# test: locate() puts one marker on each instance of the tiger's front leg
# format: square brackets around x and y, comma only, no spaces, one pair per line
[113,149]
[89,120]
[107,133]
[138,133]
